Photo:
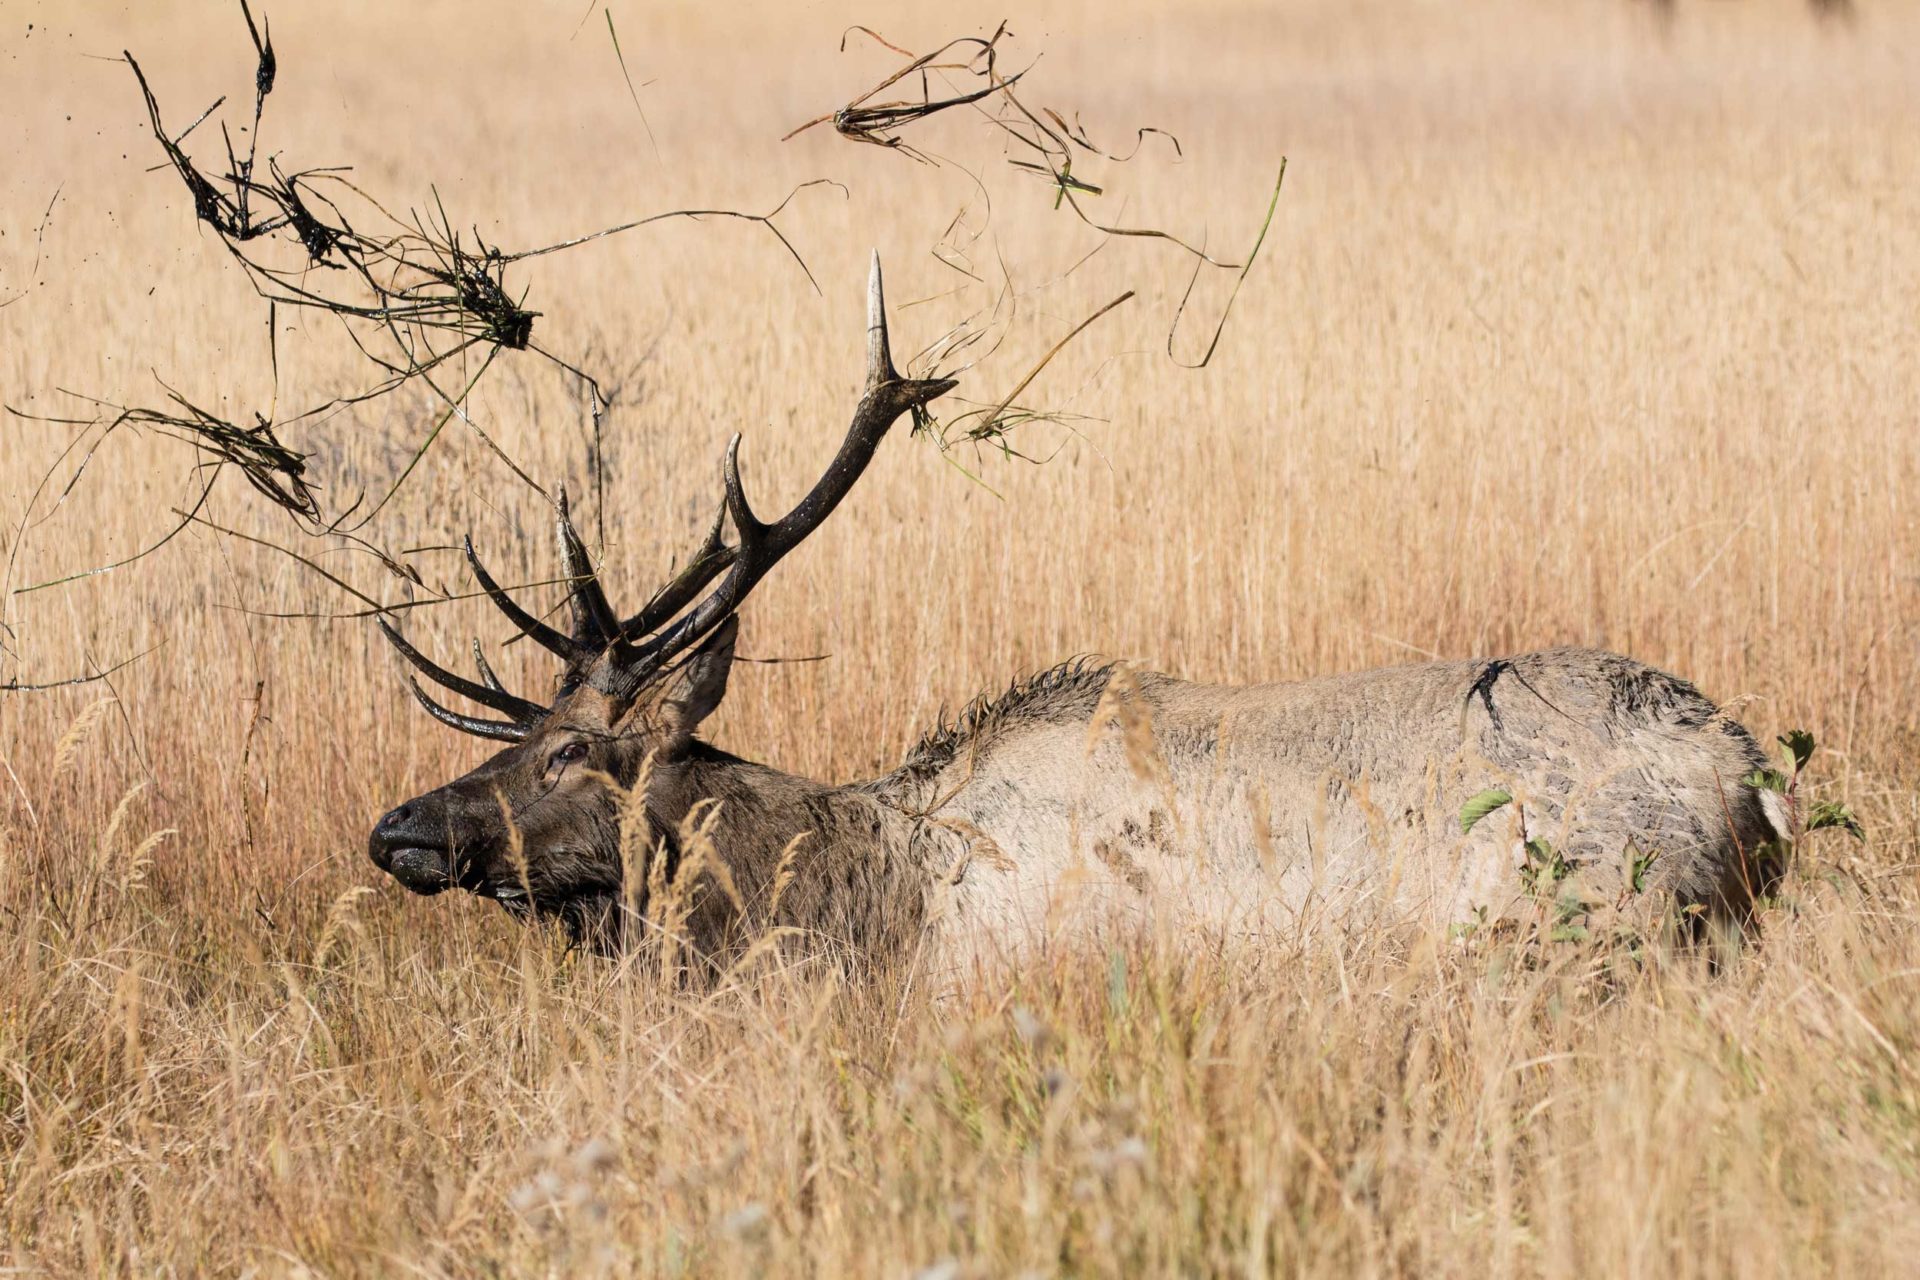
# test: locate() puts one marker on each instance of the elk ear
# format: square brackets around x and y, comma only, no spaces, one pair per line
[693,692]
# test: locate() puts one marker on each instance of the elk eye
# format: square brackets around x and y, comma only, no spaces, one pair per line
[571,753]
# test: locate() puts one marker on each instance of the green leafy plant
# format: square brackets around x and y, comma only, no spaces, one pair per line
[1543,869]
[1831,813]
[1465,929]
[1797,747]
[1481,805]
[1635,867]
[1543,872]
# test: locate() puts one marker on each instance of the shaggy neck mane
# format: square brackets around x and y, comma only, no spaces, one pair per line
[1069,690]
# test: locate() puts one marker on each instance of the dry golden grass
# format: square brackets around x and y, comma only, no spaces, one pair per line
[1567,332]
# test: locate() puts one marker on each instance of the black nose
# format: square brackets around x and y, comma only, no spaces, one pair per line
[410,844]
[389,834]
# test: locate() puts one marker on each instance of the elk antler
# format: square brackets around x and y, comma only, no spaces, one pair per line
[761,544]
[646,642]
[707,563]
[492,694]
[542,634]
[594,624]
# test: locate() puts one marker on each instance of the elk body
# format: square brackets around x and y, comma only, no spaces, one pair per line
[1086,799]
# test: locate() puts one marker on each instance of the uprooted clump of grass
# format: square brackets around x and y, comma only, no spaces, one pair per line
[417,296]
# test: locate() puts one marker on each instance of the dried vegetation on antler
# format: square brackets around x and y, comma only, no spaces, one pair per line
[965,74]
[426,303]
[415,294]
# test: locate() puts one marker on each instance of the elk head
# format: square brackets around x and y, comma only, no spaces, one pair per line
[537,826]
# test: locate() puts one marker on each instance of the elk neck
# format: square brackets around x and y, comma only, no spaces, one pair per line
[838,863]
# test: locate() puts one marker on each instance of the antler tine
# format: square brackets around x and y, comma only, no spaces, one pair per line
[707,563]
[539,632]
[485,669]
[499,730]
[593,622]
[762,544]
[879,355]
[744,521]
[522,711]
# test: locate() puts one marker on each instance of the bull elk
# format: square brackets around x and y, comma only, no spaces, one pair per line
[1088,796]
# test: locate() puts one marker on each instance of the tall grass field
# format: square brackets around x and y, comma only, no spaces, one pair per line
[1576,323]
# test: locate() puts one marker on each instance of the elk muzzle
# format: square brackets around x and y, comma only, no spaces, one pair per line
[411,844]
